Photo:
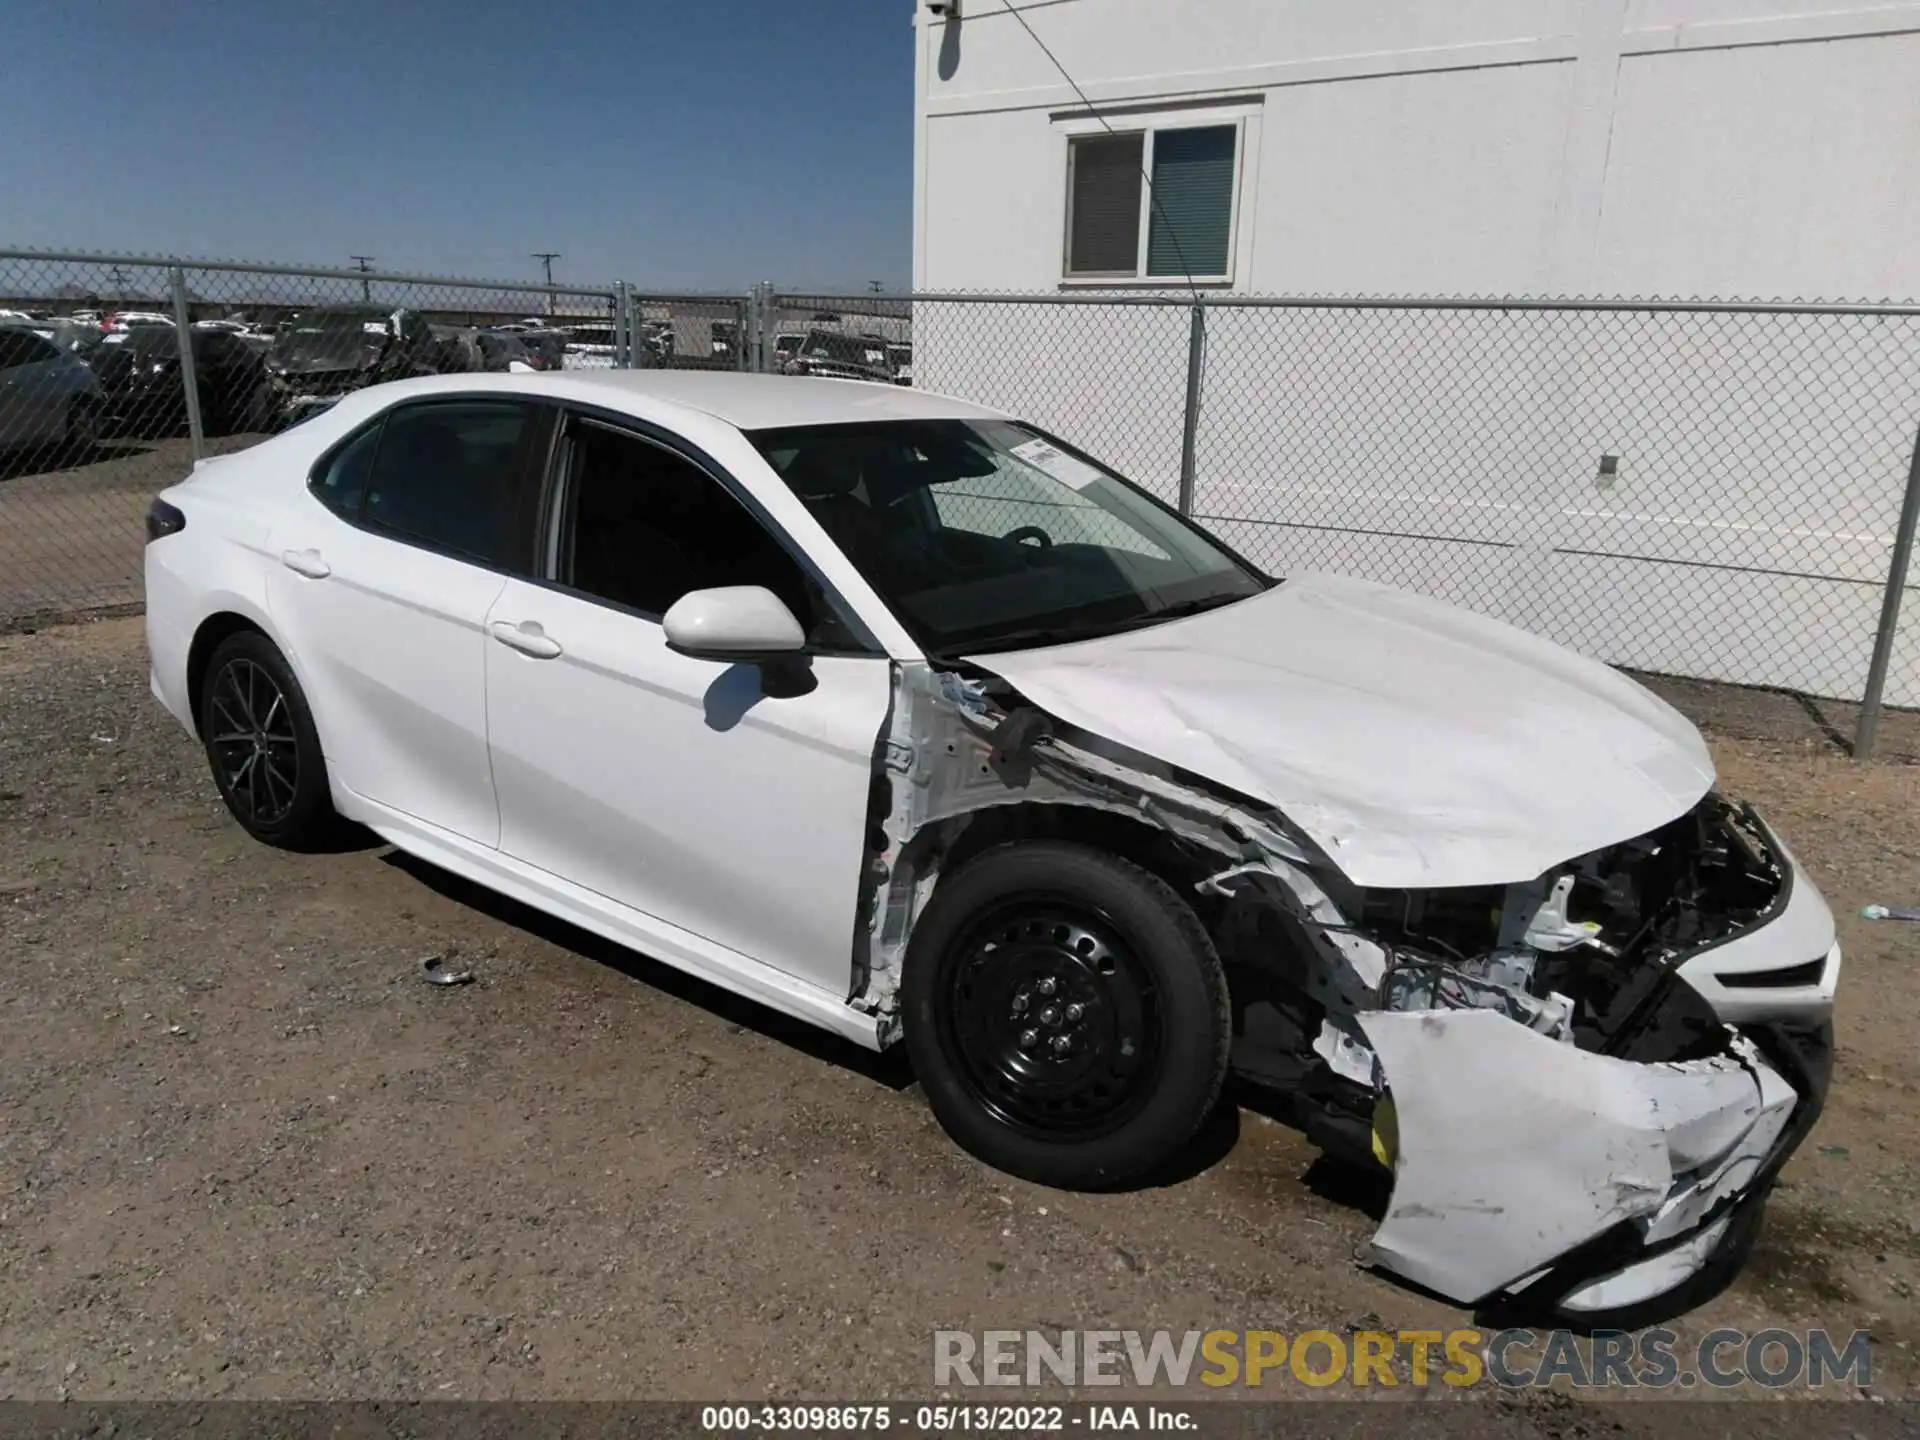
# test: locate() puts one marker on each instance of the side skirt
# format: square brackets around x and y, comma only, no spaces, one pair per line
[610,920]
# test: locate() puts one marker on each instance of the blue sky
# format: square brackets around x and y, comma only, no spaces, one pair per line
[672,143]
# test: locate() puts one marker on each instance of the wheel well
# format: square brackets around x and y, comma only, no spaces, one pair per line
[206,640]
[1148,846]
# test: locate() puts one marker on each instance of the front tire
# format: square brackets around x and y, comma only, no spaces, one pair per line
[1066,1014]
[261,742]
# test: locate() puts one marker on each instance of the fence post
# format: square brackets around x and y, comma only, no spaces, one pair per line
[183,324]
[1190,428]
[622,325]
[1869,722]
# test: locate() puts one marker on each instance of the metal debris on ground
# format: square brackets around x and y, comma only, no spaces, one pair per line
[433,970]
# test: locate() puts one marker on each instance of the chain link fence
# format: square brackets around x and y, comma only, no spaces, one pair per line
[1715,491]
[117,373]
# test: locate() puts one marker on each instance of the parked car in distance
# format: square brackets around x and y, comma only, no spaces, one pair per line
[786,345]
[901,716]
[75,337]
[120,321]
[589,346]
[545,349]
[144,393]
[48,396]
[252,336]
[325,352]
[836,355]
[900,356]
[467,351]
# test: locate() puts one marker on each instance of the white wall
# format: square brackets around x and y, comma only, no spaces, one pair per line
[1677,148]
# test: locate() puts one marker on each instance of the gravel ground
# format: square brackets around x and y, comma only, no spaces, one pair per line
[244,1152]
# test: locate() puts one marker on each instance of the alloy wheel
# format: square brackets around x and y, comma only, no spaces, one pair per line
[256,754]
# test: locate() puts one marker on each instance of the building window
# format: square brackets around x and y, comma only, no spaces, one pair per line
[1183,226]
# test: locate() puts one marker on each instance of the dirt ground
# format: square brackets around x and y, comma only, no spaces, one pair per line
[244,1152]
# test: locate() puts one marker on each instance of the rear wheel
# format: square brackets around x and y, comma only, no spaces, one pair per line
[261,743]
[1066,1014]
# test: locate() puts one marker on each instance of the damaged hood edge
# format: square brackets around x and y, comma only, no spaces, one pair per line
[1417,744]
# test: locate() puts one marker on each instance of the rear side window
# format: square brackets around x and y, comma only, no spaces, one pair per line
[341,483]
[445,475]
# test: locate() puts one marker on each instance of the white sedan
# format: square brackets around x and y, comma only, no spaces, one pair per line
[900,716]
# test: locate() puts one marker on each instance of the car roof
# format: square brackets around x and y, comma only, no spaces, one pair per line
[745,401]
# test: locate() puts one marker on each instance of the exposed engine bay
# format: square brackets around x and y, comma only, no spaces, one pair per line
[1513,1047]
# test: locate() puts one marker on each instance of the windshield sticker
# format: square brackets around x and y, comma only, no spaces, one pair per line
[116,339]
[1057,464]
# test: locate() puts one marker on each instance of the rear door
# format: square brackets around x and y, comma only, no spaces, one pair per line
[382,594]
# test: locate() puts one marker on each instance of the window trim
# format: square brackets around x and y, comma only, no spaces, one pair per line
[552,507]
[1242,117]
[517,553]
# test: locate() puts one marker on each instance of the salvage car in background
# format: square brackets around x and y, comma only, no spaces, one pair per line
[323,353]
[47,395]
[142,391]
[901,716]
[836,355]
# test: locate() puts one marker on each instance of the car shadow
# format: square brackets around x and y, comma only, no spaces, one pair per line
[887,1068]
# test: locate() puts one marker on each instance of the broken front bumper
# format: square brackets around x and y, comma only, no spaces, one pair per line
[1526,1166]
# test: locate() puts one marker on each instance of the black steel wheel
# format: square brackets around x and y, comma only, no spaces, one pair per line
[1057,1024]
[260,741]
[1066,1014]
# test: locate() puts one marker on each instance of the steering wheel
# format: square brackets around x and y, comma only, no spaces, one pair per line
[1029,532]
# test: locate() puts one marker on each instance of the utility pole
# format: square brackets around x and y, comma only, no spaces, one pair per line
[546,258]
[119,283]
[364,263]
[874,286]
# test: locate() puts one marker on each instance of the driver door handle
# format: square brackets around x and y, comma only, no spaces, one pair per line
[307,563]
[527,637]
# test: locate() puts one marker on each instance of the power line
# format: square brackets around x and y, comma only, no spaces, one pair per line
[1186,270]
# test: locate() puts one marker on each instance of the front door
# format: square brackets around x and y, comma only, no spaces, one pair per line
[721,799]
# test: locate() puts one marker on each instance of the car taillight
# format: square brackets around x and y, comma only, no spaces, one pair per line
[164,519]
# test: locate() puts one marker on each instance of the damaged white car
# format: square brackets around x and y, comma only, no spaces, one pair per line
[905,718]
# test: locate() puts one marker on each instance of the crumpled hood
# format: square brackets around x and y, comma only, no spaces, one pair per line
[1418,744]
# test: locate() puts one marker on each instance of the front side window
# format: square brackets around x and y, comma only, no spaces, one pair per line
[444,475]
[641,525]
[1118,228]
[985,535]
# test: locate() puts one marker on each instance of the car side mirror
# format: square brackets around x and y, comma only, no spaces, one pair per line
[741,623]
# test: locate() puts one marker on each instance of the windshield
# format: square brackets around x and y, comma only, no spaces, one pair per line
[986,535]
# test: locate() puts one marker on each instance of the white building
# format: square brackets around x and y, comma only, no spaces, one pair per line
[1753,149]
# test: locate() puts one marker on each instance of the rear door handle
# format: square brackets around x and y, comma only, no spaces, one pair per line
[307,563]
[527,637]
